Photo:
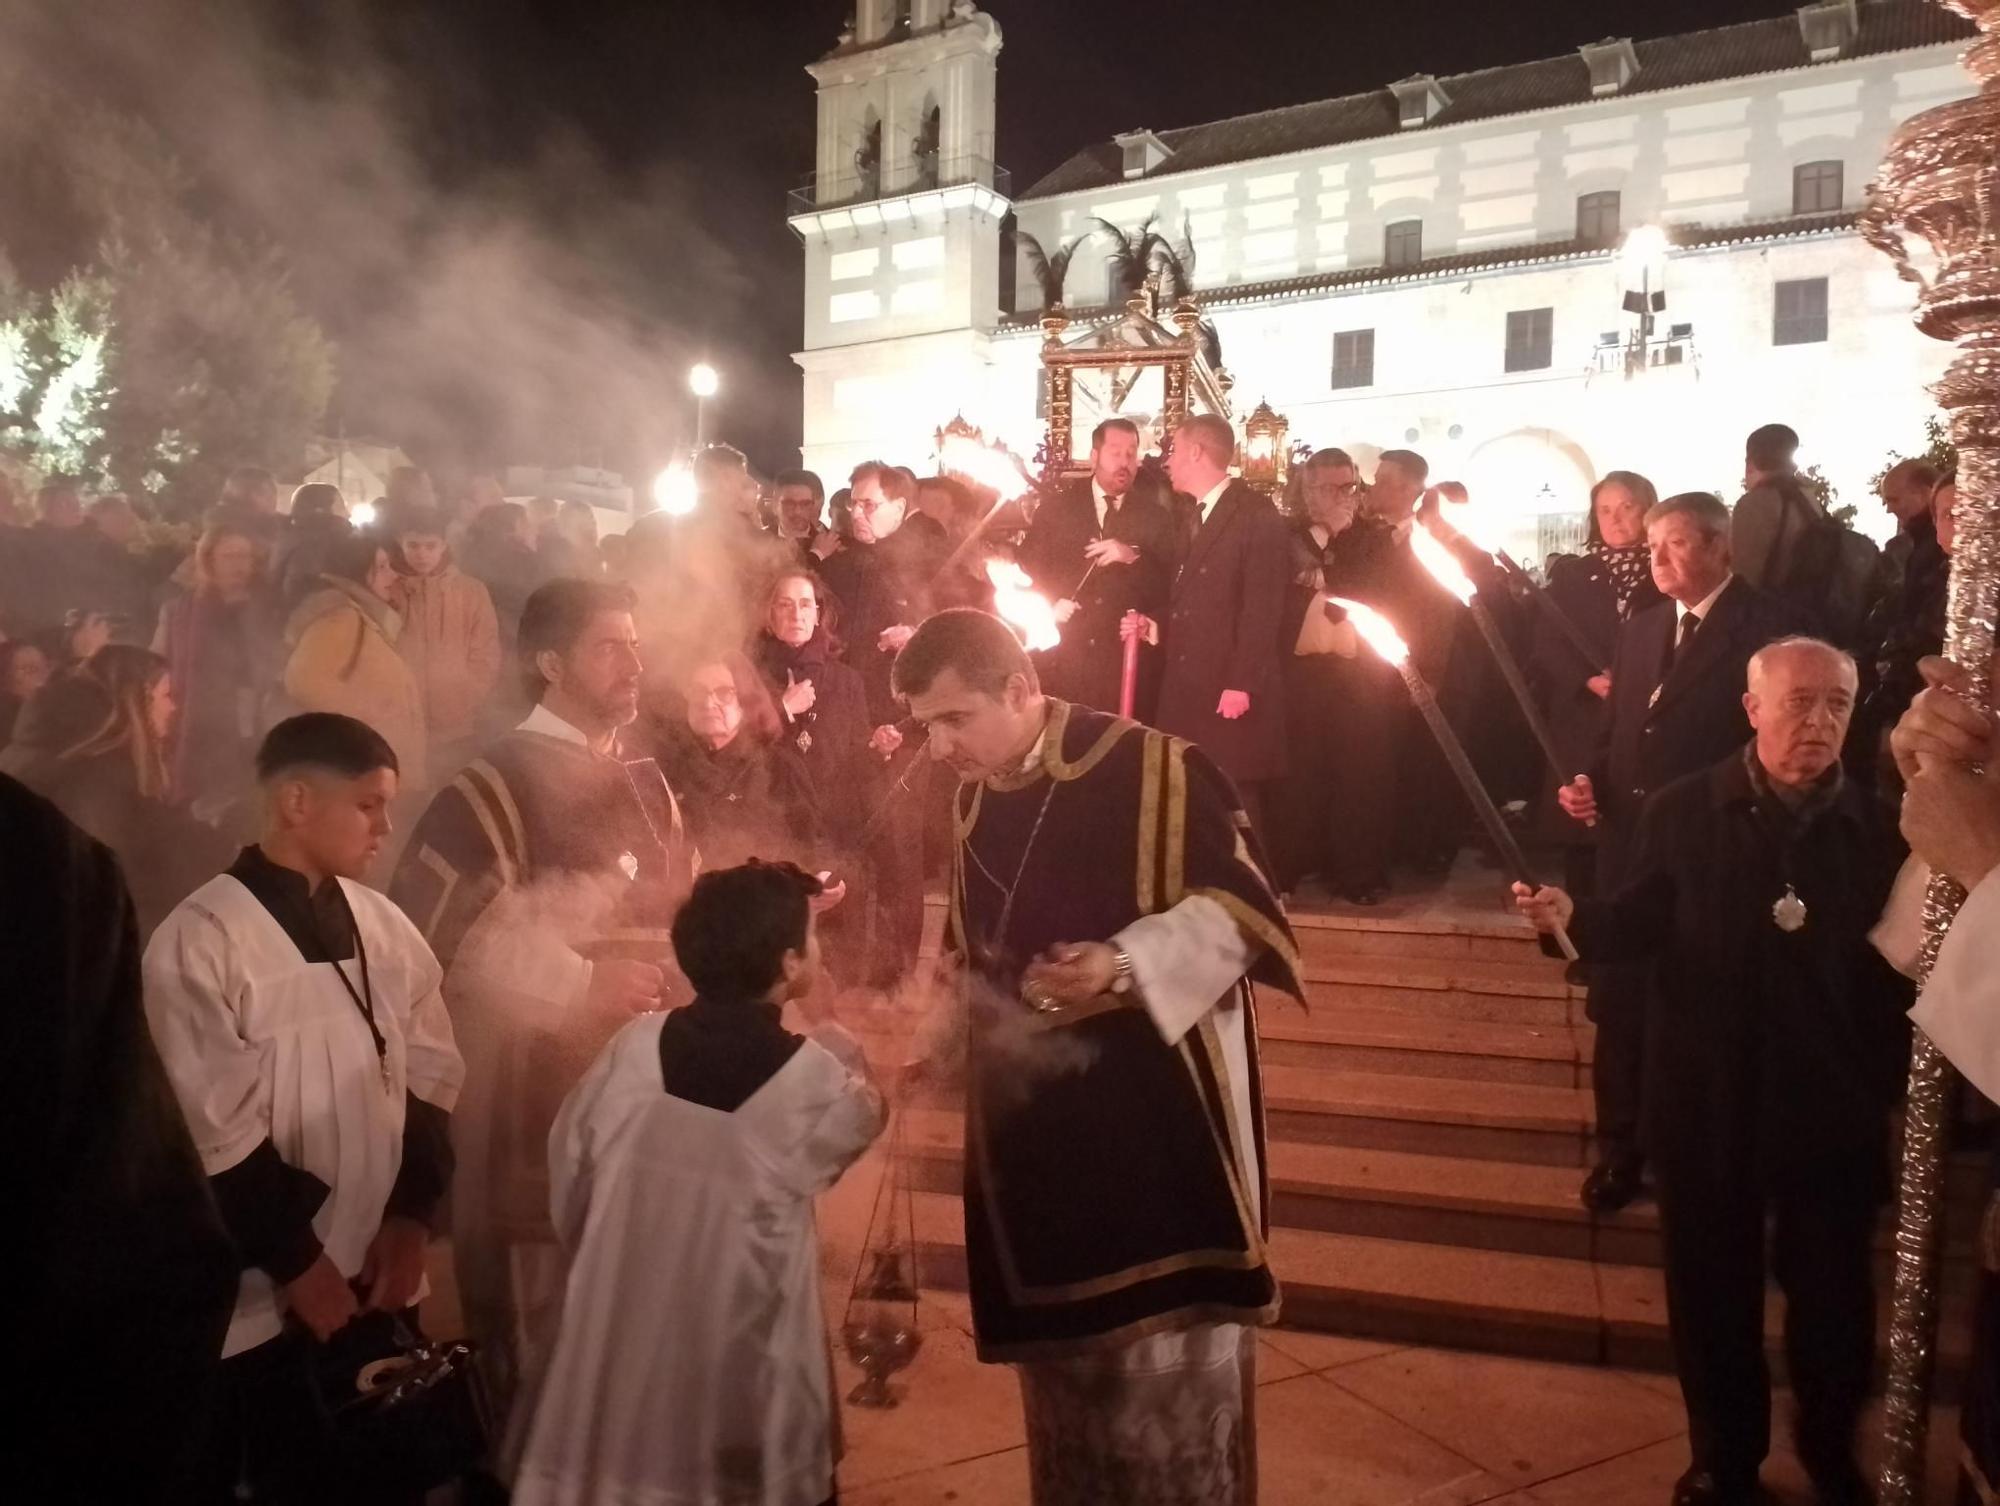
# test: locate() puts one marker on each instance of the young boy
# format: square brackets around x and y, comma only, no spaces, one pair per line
[298,1015]
[450,640]
[690,1364]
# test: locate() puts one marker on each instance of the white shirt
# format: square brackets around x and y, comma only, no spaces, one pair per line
[690,1363]
[1959,1008]
[1701,609]
[261,1044]
[1212,496]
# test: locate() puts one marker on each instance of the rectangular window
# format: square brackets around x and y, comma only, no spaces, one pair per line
[1354,358]
[1817,187]
[1403,244]
[1530,339]
[1597,218]
[1799,312]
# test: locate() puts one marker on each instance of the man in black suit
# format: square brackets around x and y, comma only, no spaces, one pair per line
[1099,550]
[1223,688]
[1676,707]
[1775,1048]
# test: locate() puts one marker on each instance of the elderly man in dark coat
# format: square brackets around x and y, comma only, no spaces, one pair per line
[1774,1049]
[1676,707]
[1223,688]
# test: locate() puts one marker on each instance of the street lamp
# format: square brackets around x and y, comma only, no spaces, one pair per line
[1642,273]
[702,382]
[1265,458]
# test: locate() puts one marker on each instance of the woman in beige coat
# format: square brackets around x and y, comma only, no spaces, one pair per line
[341,655]
[451,641]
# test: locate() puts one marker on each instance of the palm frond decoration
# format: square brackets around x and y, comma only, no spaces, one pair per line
[1050,271]
[1131,254]
[1174,263]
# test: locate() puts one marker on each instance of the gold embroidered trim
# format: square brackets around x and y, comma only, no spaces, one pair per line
[473,788]
[1228,1133]
[434,860]
[1151,768]
[512,814]
[1255,924]
[1176,835]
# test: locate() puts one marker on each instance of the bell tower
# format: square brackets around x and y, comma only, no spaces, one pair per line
[901,225]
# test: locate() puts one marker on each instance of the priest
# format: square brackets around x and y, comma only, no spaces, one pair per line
[545,877]
[1110,911]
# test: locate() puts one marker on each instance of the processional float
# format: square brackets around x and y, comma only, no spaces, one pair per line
[1937,194]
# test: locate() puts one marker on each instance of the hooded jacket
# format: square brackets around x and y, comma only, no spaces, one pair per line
[341,656]
[451,641]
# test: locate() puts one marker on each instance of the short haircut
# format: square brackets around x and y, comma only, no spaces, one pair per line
[316,499]
[1708,511]
[1211,435]
[1771,448]
[979,646]
[720,457]
[808,479]
[1917,472]
[424,522]
[1125,425]
[1760,662]
[1329,459]
[1409,462]
[897,484]
[1633,484]
[555,617]
[352,557]
[324,740]
[731,935]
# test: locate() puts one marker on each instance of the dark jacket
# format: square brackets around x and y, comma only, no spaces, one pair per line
[1785,545]
[832,735]
[747,799]
[1582,588]
[878,586]
[1696,718]
[1764,1047]
[1224,623]
[1087,666]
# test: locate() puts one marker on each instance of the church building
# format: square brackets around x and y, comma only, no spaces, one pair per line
[1622,258]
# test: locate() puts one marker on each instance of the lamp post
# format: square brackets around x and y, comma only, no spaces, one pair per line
[1642,269]
[702,382]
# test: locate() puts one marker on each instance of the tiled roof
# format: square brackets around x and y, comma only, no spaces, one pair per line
[1696,57]
[1544,253]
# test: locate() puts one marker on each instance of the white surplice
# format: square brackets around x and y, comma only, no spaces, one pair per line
[1959,1008]
[261,1044]
[690,1364]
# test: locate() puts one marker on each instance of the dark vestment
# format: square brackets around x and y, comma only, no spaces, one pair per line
[1223,631]
[1087,667]
[1343,716]
[1648,742]
[1103,1198]
[1773,1059]
[122,1274]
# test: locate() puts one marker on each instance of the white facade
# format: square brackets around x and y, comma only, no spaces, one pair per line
[1290,252]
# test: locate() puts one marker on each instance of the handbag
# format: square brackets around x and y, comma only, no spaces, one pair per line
[401,1414]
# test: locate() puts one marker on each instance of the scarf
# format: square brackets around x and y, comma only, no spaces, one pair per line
[1628,566]
[1789,821]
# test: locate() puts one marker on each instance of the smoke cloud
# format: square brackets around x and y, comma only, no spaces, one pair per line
[491,300]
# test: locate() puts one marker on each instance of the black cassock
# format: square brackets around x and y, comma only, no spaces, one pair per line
[1103,1196]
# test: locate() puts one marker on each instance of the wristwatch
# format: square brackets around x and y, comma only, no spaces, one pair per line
[1122,981]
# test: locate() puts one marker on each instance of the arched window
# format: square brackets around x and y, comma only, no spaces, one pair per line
[924,151]
[868,159]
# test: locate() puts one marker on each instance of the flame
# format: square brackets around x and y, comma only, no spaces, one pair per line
[1441,563]
[673,490]
[993,467]
[1026,611]
[1379,631]
[1475,522]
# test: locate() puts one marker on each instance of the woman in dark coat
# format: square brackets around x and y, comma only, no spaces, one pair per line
[821,703]
[94,742]
[1598,590]
[742,787]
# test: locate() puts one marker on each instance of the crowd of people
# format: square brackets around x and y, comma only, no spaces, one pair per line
[416,817]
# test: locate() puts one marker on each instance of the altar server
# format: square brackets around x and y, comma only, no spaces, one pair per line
[298,1015]
[690,1363]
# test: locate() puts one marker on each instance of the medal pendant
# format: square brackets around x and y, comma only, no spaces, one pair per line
[1789,912]
[805,741]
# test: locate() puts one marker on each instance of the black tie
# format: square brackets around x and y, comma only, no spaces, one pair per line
[1689,623]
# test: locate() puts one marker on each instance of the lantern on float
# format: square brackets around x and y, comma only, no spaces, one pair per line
[1266,458]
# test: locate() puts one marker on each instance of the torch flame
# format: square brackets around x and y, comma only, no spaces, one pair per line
[1377,630]
[1027,611]
[1441,563]
[993,467]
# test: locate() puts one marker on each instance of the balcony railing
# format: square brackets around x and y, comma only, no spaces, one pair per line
[1624,355]
[895,181]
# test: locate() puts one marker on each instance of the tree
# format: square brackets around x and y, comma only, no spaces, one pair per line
[140,347]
